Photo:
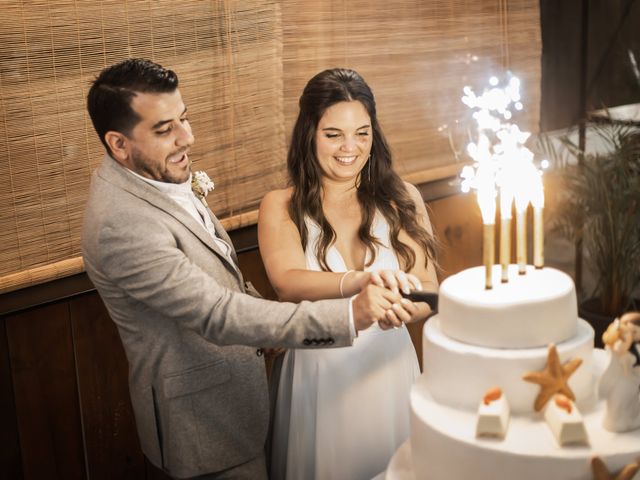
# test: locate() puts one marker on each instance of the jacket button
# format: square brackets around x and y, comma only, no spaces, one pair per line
[260,352]
[306,341]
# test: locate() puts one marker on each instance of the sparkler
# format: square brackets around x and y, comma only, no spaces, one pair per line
[502,159]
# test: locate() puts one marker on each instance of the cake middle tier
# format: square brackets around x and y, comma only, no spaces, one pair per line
[459,374]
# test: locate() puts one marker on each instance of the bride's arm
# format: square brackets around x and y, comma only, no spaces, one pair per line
[426,274]
[284,259]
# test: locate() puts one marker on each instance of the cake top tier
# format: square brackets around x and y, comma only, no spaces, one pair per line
[530,310]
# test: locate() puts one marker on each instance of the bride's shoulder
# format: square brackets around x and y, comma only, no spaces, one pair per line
[417,199]
[276,200]
[412,190]
[414,193]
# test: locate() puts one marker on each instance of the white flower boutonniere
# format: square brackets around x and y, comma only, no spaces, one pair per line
[201,184]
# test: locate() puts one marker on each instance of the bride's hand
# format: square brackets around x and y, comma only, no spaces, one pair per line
[395,280]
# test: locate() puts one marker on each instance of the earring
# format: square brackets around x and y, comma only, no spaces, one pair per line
[369,168]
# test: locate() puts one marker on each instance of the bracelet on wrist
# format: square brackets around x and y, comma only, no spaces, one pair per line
[344,275]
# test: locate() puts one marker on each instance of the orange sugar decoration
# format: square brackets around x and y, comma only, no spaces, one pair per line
[492,395]
[563,402]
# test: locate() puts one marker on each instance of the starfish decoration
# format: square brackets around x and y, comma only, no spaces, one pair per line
[600,471]
[553,379]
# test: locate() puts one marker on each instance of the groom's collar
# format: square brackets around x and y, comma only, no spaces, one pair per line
[170,189]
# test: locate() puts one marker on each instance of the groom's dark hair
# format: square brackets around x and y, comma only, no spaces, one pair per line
[109,98]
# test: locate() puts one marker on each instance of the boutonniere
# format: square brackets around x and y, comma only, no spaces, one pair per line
[201,184]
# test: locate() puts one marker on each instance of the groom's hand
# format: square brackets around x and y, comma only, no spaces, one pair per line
[371,305]
[407,311]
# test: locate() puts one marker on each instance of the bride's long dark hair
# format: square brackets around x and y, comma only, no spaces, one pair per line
[378,188]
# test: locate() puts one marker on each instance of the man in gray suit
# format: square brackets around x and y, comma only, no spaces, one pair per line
[167,272]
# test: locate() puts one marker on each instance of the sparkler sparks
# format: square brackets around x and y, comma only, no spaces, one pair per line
[503,163]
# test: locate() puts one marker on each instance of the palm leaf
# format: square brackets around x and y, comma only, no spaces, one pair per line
[600,205]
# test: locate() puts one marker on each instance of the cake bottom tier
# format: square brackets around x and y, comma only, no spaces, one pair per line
[444,446]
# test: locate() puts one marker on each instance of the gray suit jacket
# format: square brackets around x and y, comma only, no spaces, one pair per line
[187,321]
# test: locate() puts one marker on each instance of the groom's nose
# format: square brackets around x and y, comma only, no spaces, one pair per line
[184,137]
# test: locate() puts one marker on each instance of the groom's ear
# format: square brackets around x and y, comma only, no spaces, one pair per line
[119,146]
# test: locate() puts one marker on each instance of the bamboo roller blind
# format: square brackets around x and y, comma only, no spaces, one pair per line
[242,66]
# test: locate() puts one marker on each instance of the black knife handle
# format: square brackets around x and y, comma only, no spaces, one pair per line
[422,296]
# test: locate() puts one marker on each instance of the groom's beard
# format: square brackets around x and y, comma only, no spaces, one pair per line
[161,171]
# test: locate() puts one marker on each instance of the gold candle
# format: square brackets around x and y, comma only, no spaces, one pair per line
[505,247]
[521,240]
[506,202]
[486,194]
[538,224]
[488,252]
[538,237]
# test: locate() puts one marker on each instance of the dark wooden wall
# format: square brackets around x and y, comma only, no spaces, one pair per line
[64,402]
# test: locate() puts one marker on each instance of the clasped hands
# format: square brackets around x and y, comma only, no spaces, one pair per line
[379,299]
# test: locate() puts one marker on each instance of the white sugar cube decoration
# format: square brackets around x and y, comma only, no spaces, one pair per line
[493,418]
[566,426]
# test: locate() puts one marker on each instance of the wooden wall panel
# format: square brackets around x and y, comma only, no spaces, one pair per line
[254,272]
[111,440]
[457,224]
[47,408]
[154,473]
[10,460]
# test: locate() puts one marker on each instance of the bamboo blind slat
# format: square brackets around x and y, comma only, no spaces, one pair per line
[242,67]
[45,273]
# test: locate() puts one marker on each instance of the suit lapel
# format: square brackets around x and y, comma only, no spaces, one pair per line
[114,173]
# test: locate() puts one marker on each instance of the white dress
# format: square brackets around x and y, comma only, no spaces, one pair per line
[341,413]
[619,386]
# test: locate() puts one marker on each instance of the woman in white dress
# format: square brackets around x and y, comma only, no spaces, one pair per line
[620,382]
[346,220]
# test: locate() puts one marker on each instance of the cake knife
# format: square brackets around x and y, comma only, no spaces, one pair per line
[430,298]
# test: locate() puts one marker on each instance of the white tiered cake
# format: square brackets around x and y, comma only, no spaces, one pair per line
[486,338]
